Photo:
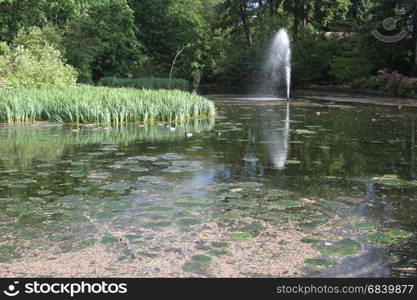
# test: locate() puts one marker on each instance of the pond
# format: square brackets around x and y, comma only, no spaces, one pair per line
[267,189]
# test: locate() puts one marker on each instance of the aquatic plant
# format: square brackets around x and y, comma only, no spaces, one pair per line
[88,104]
[146,83]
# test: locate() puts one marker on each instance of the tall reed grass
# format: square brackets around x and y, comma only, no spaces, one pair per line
[88,104]
[146,83]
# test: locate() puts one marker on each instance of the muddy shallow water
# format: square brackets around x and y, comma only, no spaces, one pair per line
[264,190]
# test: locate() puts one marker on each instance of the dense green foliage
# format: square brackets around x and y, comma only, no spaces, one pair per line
[220,41]
[146,83]
[31,62]
[393,84]
[101,105]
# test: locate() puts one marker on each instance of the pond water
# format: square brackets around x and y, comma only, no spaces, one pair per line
[267,189]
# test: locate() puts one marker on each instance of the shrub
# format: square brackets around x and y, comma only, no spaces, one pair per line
[347,69]
[408,87]
[373,84]
[358,83]
[311,59]
[33,64]
[146,83]
[393,84]
[389,76]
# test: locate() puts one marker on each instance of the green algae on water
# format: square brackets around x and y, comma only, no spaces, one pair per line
[346,247]
[189,221]
[220,245]
[147,254]
[317,262]
[201,259]
[217,252]
[364,225]
[241,237]
[390,237]
[108,239]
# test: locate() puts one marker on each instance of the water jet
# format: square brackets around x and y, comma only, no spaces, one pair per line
[277,68]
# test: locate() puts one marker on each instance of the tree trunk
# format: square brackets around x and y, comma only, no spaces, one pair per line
[414,41]
[296,20]
[171,73]
[271,7]
[414,62]
[246,25]
[305,15]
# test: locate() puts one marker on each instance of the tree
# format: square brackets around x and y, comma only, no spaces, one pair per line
[331,15]
[101,41]
[237,13]
[16,14]
[31,61]
[168,25]
[411,13]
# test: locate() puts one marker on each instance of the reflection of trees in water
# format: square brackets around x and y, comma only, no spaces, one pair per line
[20,144]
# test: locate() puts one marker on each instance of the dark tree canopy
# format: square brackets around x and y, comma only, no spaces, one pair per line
[223,41]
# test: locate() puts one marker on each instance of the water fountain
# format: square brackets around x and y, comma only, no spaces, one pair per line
[277,67]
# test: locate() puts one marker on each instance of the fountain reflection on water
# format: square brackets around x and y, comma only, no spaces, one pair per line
[279,146]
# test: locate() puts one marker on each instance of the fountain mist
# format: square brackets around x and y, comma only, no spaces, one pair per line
[278,64]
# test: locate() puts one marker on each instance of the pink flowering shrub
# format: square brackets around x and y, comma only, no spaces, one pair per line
[390,76]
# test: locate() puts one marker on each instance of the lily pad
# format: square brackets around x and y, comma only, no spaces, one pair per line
[82,189]
[138,169]
[159,208]
[45,166]
[201,259]
[145,158]
[189,222]
[220,245]
[346,247]
[217,252]
[87,244]
[44,192]
[108,239]
[116,187]
[232,195]
[147,254]
[195,268]
[171,156]
[287,203]
[393,236]
[364,225]
[241,237]
[8,253]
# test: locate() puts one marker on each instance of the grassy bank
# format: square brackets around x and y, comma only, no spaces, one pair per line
[101,105]
[146,83]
